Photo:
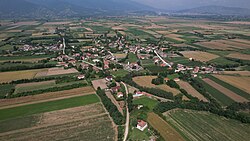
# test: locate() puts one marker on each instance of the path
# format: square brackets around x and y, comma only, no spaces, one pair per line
[127,117]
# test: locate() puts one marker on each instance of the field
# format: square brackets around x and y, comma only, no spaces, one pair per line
[190,90]
[237,73]
[4,103]
[145,81]
[239,82]
[17,75]
[56,71]
[145,101]
[206,126]
[119,73]
[88,122]
[37,108]
[220,97]
[166,131]
[239,56]
[24,58]
[225,91]
[118,56]
[199,56]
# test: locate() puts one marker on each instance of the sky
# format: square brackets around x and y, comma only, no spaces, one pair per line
[186,4]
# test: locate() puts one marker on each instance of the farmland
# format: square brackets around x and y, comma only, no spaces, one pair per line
[205,126]
[145,81]
[166,131]
[200,56]
[16,75]
[45,97]
[86,122]
[190,90]
[239,82]
[225,91]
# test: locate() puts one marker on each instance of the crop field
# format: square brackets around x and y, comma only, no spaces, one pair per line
[199,56]
[225,91]
[17,75]
[88,122]
[190,90]
[145,81]
[220,97]
[166,131]
[239,82]
[6,89]
[206,126]
[239,56]
[14,102]
[24,58]
[237,73]
[216,45]
[56,71]
[120,55]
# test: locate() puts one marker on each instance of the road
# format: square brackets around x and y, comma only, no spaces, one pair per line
[162,59]
[92,65]
[64,46]
[127,116]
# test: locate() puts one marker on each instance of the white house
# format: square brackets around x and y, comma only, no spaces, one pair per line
[141,125]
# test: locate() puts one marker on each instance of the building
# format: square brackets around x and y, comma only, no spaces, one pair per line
[109,78]
[80,77]
[141,125]
[138,94]
[119,94]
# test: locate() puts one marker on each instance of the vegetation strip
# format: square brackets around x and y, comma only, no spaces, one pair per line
[47,106]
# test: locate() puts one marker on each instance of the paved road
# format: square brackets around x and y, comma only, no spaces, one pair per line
[127,118]
[162,59]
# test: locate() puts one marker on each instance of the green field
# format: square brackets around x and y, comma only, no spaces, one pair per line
[24,58]
[5,89]
[132,58]
[220,97]
[47,106]
[230,87]
[145,101]
[119,73]
[204,126]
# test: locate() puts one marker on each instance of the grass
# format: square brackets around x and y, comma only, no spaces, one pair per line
[145,101]
[220,97]
[132,58]
[119,73]
[5,89]
[173,76]
[206,126]
[47,106]
[222,61]
[230,87]
[137,135]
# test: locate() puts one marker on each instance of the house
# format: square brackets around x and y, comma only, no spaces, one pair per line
[138,94]
[119,94]
[166,79]
[109,78]
[141,125]
[80,77]
[115,89]
[176,79]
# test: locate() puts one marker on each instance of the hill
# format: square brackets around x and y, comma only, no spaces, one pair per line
[216,10]
[16,9]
